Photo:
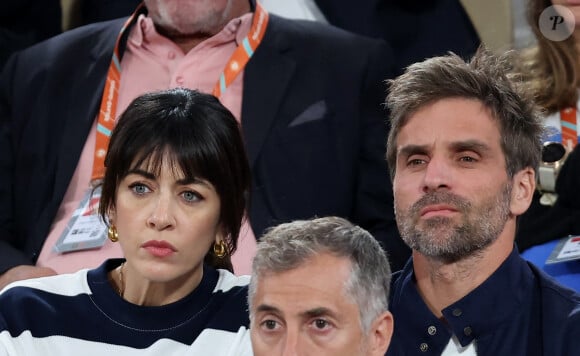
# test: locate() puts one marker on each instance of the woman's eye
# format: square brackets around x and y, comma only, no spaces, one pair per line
[191,196]
[139,188]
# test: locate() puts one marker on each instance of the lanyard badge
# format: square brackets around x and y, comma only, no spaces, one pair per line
[85,229]
[108,108]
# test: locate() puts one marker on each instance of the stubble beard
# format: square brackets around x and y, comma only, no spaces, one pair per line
[176,23]
[448,241]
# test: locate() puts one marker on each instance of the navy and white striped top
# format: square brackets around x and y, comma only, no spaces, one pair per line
[81,314]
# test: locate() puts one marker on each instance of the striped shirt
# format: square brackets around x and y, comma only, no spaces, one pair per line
[81,314]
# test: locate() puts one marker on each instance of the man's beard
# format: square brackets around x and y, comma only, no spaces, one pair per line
[443,239]
[190,20]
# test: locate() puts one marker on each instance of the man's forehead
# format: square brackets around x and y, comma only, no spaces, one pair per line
[458,119]
[311,286]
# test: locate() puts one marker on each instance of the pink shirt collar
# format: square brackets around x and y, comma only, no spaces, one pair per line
[144,32]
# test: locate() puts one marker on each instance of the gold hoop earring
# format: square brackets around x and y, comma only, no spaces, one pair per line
[112,233]
[220,249]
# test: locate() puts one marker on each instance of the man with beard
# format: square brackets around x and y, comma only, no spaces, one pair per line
[463,151]
[308,97]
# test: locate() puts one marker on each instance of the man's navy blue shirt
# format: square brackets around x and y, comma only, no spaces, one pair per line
[518,310]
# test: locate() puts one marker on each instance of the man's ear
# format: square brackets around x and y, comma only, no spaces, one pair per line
[380,334]
[524,184]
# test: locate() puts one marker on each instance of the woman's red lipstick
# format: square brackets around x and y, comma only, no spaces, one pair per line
[159,248]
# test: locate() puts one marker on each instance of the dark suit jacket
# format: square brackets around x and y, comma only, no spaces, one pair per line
[26,22]
[312,121]
[415,29]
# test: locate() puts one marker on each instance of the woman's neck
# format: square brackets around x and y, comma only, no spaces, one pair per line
[136,289]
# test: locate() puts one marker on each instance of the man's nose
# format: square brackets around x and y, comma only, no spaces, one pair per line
[291,345]
[437,174]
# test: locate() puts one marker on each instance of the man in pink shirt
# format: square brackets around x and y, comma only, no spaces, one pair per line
[308,97]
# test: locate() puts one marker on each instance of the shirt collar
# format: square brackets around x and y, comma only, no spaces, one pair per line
[489,305]
[493,302]
[144,31]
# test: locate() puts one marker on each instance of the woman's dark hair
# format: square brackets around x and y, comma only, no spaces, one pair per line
[201,138]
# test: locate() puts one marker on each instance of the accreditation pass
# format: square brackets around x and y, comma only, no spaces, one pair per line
[85,230]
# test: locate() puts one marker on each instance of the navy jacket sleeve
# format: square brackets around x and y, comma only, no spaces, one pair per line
[49,94]
[9,254]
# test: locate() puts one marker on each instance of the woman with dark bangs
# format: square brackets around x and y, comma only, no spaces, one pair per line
[174,194]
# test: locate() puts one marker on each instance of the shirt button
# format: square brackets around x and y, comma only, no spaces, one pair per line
[179,80]
[467,331]
[457,312]
[432,330]
[171,55]
[424,347]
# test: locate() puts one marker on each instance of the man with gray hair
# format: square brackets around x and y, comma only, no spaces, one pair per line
[319,287]
[463,151]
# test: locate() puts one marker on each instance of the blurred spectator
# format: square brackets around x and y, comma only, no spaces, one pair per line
[552,70]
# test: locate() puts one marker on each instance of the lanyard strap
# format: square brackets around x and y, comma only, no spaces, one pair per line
[108,108]
[243,53]
[569,127]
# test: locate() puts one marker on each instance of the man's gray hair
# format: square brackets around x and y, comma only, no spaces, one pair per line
[288,246]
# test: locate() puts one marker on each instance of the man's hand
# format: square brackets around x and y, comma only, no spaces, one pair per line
[24,272]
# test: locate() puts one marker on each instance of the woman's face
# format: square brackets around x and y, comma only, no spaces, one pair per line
[166,224]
